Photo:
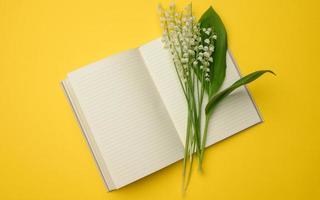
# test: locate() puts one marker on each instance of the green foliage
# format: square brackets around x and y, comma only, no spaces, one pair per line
[218,68]
[224,93]
[218,71]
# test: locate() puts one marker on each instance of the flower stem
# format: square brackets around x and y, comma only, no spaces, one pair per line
[190,168]
[186,150]
[204,139]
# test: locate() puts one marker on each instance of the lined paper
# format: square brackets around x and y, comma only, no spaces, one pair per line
[126,116]
[237,112]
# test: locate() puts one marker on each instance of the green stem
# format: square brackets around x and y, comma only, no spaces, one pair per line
[204,140]
[195,120]
[200,114]
[186,150]
[190,169]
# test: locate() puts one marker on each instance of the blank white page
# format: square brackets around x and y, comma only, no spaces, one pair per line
[237,112]
[126,117]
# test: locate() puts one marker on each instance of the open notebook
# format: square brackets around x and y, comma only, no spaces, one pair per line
[132,112]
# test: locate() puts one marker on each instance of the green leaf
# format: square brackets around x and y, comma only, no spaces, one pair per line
[224,93]
[218,68]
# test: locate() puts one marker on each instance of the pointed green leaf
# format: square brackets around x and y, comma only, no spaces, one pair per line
[224,93]
[218,68]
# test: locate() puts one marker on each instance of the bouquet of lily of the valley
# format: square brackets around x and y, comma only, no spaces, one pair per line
[198,51]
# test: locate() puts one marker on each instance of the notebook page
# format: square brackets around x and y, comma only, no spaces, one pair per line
[126,117]
[89,138]
[237,112]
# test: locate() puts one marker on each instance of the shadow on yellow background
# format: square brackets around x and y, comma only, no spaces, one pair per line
[44,156]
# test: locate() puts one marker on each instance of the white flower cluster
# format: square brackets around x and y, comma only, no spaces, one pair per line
[191,46]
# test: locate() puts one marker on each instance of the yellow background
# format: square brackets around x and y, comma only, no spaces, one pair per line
[43,154]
